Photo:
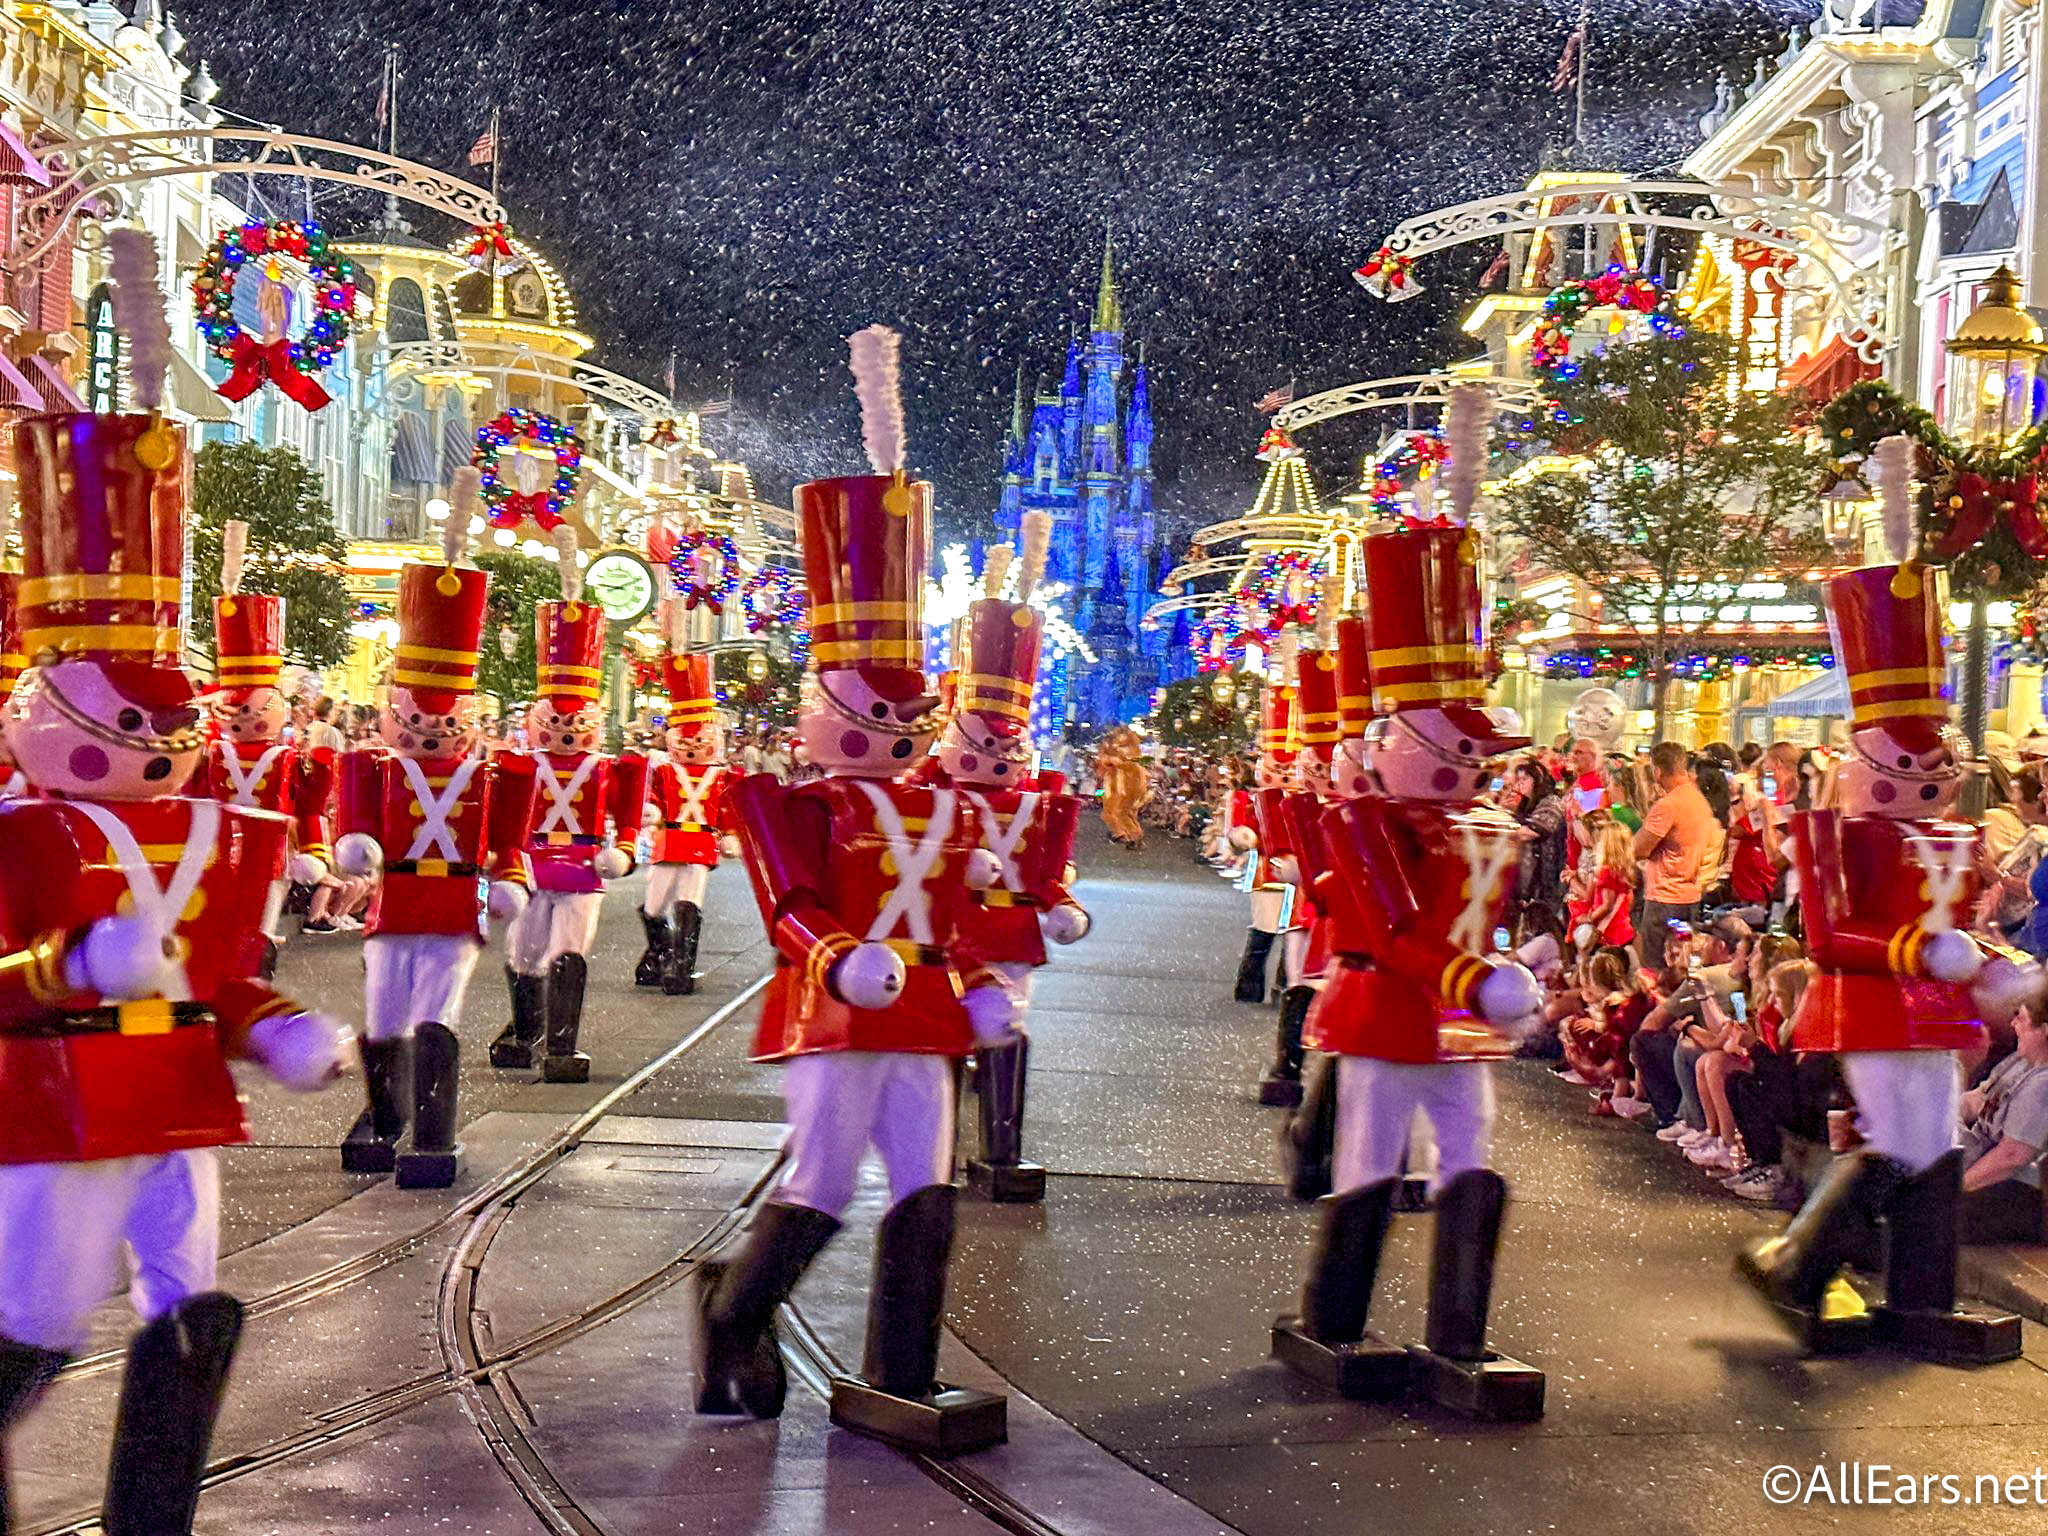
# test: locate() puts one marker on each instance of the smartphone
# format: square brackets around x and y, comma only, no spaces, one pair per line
[1741,1008]
[1500,940]
[1768,783]
[1496,786]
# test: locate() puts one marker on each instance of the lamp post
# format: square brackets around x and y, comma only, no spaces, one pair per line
[1998,353]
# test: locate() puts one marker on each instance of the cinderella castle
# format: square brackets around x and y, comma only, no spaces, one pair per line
[1084,454]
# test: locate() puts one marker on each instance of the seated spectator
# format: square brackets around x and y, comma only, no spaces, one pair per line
[1666,1050]
[1613,1003]
[1755,1022]
[1783,1093]
[2004,1132]
[1604,914]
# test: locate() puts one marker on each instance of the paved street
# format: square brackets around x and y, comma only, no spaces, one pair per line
[463,1361]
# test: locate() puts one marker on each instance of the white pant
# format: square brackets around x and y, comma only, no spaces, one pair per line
[410,978]
[840,1102]
[555,923]
[668,884]
[1909,1103]
[1269,908]
[65,1229]
[1017,977]
[1293,955]
[1376,1104]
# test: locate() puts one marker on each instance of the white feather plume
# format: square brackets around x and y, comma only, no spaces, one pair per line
[1035,538]
[139,311]
[677,626]
[465,501]
[995,569]
[1894,476]
[1467,421]
[1330,608]
[1286,667]
[563,537]
[234,549]
[876,354]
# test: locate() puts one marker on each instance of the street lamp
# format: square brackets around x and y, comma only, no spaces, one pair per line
[2000,348]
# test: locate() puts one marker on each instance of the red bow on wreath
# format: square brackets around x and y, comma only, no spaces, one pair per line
[255,361]
[1977,504]
[488,245]
[519,505]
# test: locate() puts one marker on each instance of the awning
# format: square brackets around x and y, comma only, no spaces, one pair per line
[412,450]
[1819,698]
[50,383]
[1829,371]
[193,394]
[16,393]
[458,442]
[19,166]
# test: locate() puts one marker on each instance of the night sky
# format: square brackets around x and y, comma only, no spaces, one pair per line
[747,182]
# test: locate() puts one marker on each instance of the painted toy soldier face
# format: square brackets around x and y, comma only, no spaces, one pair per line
[1901,776]
[1349,775]
[696,747]
[1273,774]
[429,725]
[75,730]
[851,729]
[1314,772]
[250,714]
[560,731]
[1422,754]
[974,751]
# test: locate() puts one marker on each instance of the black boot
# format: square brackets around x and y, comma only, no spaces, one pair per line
[1251,967]
[514,1047]
[1000,1173]
[1282,1083]
[1328,1342]
[898,1396]
[170,1397]
[24,1372]
[653,962]
[566,1064]
[738,1363]
[1309,1138]
[1799,1272]
[434,1159]
[371,1145]
[680,979]
[1920,1314]
[1454,1366]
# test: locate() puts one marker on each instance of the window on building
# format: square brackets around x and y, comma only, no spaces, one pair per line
[405,313]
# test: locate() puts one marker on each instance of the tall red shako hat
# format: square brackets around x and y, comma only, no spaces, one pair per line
[1354,679]
[1889,648]
[1277,742]
[441,611]
[1318,718]
[867,543]
[686,674]
[1003,639]
[248,627]
[12,661]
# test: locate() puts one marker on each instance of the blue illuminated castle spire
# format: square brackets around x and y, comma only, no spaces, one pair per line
[1083,453]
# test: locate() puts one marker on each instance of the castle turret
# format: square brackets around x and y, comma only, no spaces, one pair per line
[1016,467]
[1102,507]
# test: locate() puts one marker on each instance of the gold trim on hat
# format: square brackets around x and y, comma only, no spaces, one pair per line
[1429,693]
[409,652]
[851,613]
[85,586]
[868,650]
[1895,677]
[1867,714]
[1424,655]
[156,639]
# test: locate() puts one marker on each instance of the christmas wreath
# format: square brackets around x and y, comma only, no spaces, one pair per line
[1221,635]
[770,596]
[1286,587]
[690,579]
[507,506]
[289,364]
[1551,344]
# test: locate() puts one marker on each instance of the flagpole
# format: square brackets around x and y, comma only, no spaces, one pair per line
[491,247]
[1585,47]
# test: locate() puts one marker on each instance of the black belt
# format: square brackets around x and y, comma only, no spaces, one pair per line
[436,868]
[129,1019]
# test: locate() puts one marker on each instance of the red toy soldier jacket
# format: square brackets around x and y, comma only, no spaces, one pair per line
[840,861]
[447,827]
[573,793]
[1864,894]
[1408,867]
[274,776]
[693,810]
[1031,833]
[83,1079]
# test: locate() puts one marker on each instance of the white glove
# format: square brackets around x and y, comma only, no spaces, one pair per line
[1243,839]
[867,976]
[1583,936]
[992,1015]
[121,958]
[303,1051]
[1509,993]
[612,863]
[1284,868]
[357,854]
[305,869]
[1067,923]
[729,846]
[984,870]
[1951,955]
[2001,986]
[507,900]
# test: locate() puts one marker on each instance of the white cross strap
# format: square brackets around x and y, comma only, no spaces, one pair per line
[1487,856]
[1002,841]
[435,838]
[1947,862]
[910,904]
[693,795]
[242,786]
[160,906]
[561,816]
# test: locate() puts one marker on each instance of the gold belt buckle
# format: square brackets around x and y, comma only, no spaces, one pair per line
[432,868]
[151,1016]
[560,839]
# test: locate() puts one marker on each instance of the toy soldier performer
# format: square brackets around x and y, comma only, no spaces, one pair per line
[688,793]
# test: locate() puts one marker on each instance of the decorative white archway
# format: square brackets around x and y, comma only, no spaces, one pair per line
[1424,389]
[506,360]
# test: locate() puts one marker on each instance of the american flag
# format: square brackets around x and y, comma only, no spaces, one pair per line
[1273,399]
[1568,61]
[485,150]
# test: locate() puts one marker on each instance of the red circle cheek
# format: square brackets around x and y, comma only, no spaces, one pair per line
[89,764]
[1884,792]
[1444,779]
[853,744]
[969,764]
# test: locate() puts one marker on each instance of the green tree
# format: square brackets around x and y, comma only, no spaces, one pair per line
[1189,714]
[519,585]
[1662,488]
[294,551]
[773,699]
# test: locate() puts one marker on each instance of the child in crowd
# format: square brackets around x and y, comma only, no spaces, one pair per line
[1613,1002]
[1602,912]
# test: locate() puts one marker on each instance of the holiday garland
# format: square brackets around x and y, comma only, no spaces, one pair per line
[1550,344]
[289,364]
[506,507]
[690,581]
[1690,666]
